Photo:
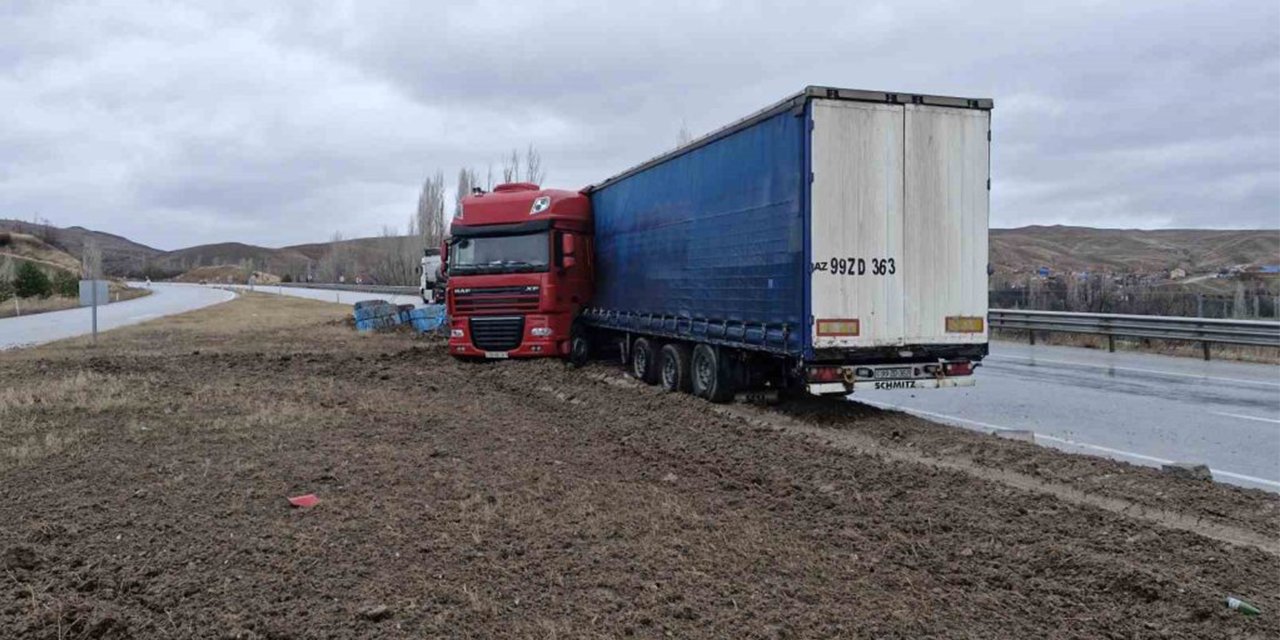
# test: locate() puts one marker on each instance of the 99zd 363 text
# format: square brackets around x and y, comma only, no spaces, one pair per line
[857,266]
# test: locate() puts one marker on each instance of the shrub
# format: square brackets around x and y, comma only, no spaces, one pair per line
[66,284]
[30,281]
[286,278]
[6,290]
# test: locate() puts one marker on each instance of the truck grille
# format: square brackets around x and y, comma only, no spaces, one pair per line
[468,301]
[500,333]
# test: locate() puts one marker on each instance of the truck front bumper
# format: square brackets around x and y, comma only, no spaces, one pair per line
[542,336]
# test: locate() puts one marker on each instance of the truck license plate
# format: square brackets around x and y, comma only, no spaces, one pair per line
[893,373]
[497,355]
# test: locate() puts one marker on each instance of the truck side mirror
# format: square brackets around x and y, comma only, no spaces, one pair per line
[444,255]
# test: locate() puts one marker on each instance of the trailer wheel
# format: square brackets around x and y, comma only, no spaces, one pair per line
[579,346]
[644,361]
[710,374]
[673,365]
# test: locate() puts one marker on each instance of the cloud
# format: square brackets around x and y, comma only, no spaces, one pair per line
[182,124]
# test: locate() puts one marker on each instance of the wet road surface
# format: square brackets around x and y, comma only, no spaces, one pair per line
[165,299]
[1141,408]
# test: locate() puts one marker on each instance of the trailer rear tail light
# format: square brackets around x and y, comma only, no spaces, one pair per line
[825,374]
[847,327]
[962,368]
[965,324]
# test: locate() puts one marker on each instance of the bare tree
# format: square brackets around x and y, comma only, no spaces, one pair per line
[337,262]
[467,179]
[533,170]
[91,260]
[511,167]
[683,137]
[488,181]
[398,256]
[431,210]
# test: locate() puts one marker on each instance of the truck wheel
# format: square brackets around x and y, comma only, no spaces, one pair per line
[673,368]
[579,347]
[710,374]
[644,361]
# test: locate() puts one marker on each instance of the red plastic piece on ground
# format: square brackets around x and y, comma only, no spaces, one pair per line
[309,500]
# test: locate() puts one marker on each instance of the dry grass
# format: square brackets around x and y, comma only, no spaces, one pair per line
[28,436]
[43,415]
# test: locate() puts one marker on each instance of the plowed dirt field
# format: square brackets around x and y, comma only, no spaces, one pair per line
[143,489]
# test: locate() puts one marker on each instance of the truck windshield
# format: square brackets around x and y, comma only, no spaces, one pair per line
[500,254]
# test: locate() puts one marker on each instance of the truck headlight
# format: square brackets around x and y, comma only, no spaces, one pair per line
[456,333]
[540,332]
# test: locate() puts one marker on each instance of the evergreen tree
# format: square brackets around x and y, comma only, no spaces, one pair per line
[30,281]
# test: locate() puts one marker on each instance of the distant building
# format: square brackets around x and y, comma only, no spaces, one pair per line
[1177,273]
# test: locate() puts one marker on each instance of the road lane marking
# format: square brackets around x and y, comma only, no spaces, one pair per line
[1244,417]
[1275,485]
[1264,383]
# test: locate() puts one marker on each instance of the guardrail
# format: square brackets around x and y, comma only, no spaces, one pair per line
[1206,331]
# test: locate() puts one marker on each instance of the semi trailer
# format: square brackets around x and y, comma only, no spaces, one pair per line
[834,241]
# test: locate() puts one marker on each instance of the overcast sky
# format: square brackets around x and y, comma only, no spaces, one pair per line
[223,121]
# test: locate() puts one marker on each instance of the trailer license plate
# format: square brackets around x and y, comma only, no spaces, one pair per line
[893,373]
[497,355]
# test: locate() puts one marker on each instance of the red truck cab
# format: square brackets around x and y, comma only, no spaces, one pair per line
[519,265]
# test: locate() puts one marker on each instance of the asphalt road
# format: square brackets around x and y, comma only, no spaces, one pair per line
[1141,408]
[165,299]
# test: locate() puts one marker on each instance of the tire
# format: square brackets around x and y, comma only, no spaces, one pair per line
[579,346]
[644,361]
[709,374]
[673,368]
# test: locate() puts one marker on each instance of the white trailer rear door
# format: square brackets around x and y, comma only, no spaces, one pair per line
[945,224]
[856,217]
[898,232]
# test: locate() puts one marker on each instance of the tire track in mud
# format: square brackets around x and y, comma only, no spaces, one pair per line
[866,445]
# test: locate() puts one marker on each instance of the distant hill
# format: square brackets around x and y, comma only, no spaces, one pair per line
[20,247]
[279,261]
[1077,249]
[1020,250]
[120,256]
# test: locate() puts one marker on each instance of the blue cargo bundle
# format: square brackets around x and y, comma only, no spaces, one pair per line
[376,314]
[429,318]
[372,315]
